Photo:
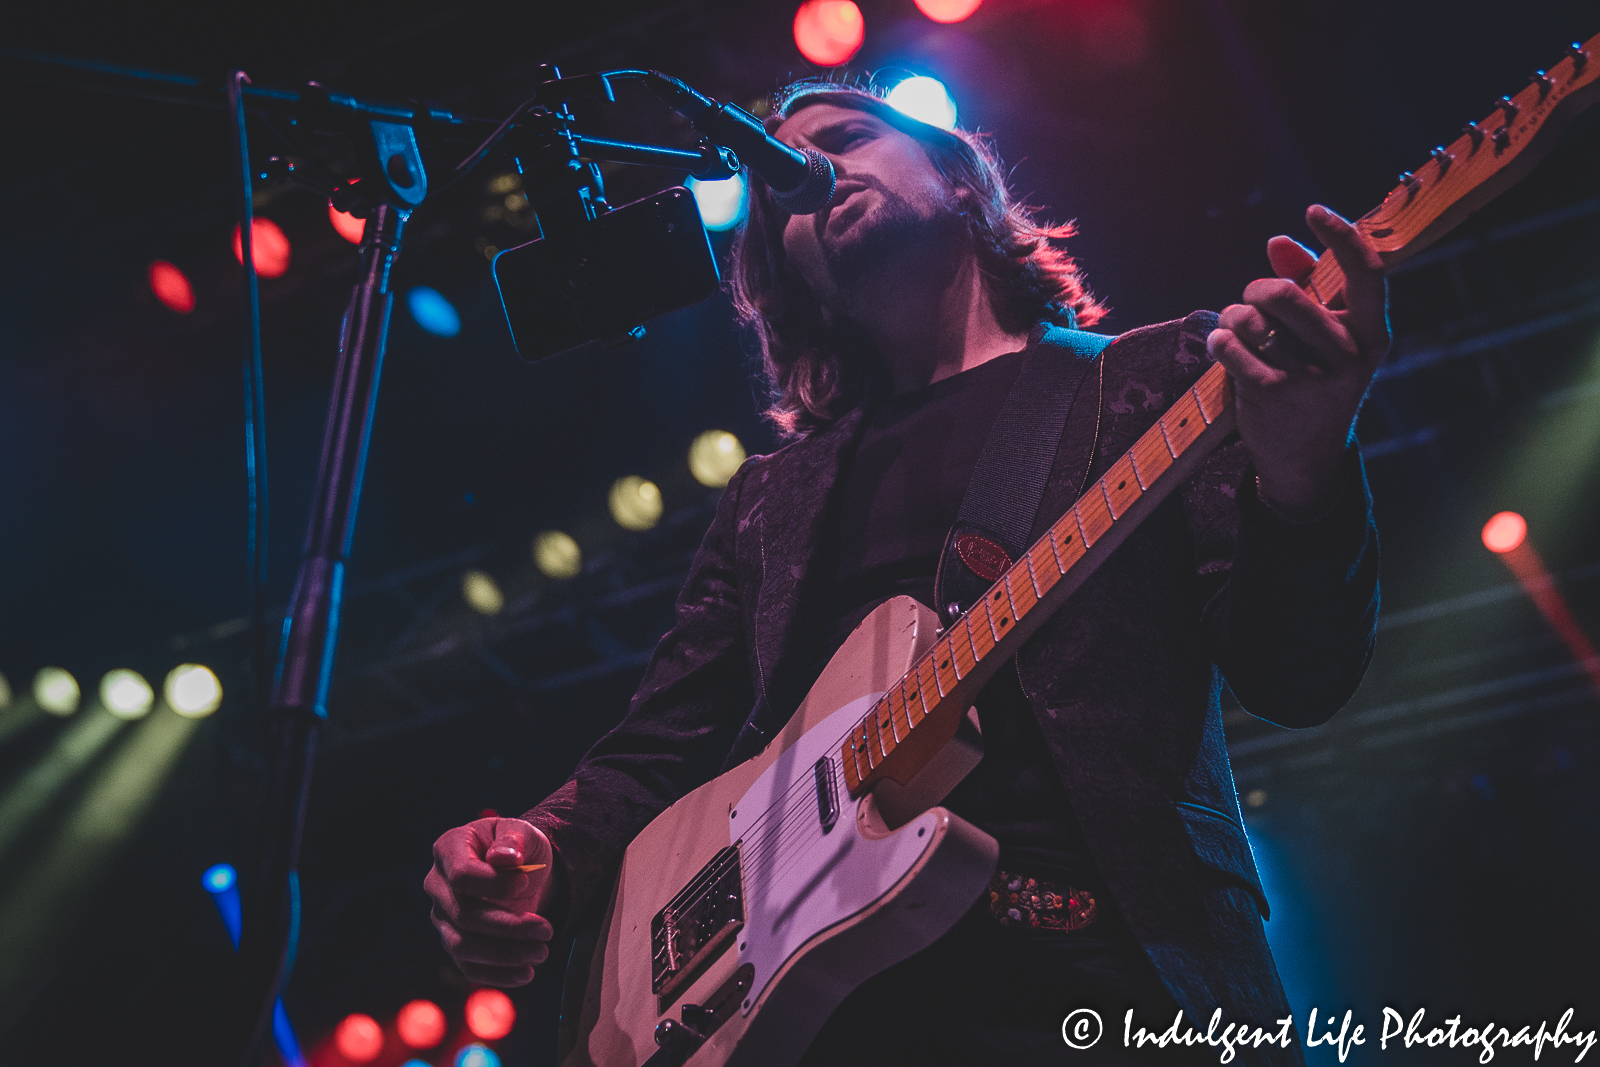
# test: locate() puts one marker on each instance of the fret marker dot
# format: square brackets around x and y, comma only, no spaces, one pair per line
[1183,421]
[1122,483]
[998,595]
[1004,621]
[944,665]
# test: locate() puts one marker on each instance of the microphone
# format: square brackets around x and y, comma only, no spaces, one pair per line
[801,182]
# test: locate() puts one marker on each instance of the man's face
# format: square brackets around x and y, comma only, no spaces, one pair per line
[892,211]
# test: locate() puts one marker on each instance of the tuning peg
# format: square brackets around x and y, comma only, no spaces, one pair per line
[1543,81]
[1409,180]
[1474,131]
[1509,107]
[1443,158]
[1579,56]
[1501,137]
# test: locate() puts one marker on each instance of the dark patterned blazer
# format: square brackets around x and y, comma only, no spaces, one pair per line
[1126,679]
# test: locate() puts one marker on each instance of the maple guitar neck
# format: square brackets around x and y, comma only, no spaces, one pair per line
[921,712]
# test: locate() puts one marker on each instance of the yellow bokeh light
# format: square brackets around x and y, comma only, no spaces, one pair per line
[505,183]
[714,456]
[557,555]
[482,593]
[56,691]
[635,503]
[126,694]
[5,692]
[192,690]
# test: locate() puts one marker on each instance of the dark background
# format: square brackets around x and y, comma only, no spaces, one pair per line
[1435,846]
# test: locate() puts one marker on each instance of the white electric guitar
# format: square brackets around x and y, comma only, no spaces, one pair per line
[749,909]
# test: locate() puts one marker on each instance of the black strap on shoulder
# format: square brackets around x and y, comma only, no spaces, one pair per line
[1008,482]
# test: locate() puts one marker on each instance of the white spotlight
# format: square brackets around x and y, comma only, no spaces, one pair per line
[126,694]
[557,555]
[192,690]
[635,503]
[926,100]
[714,456]
[56,691]
[722,203]
[482,593]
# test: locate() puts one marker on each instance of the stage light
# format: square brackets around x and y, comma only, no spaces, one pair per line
[722,203]
[220,878]
[714,457]
[635,503]
[1256,798]
[1504,532]
[477,1056]
[433,312]
[348,226]
[56,691]
[192,690]
[828,32]
[947,10]
[269,248]
[358,1038]
[126,694]
[56,884]
[222,882]
[421,1024]
[557,555]
[490,1014]
[926,100]
[482,593]
[171,287]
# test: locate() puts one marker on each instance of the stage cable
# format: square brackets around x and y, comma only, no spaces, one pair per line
[255,421]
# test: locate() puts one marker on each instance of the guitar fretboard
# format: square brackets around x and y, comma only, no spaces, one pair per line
[968,653]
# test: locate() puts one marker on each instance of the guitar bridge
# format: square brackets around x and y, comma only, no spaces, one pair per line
[697,923]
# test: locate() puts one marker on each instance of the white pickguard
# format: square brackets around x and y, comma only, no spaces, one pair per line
[798,881]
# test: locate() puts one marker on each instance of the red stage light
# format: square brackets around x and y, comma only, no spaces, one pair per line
[358,1038]
[947,10]
[1504,532]
[269,247]
[490,1014]
[171,287]
[828,32]
[348,225]
[421,1024]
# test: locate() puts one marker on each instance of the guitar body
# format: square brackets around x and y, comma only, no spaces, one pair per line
[821,910]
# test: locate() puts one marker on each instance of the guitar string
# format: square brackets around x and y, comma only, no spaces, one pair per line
[766,843]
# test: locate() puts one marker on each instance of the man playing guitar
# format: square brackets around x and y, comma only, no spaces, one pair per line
[893,324]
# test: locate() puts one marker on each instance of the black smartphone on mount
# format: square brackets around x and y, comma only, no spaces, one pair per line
[604,282]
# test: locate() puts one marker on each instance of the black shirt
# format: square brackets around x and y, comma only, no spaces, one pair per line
[897,498]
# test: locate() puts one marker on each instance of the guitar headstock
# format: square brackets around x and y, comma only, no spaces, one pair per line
[1489,156]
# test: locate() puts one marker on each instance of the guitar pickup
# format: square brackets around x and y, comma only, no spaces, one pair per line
[827,793]
[696,924]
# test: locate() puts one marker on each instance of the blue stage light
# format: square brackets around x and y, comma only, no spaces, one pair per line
[722,203]
[433,312]
[222,882]
[926,100]
[221,878]
[477,1056]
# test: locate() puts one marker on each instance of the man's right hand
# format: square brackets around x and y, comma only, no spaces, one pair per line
[485,909]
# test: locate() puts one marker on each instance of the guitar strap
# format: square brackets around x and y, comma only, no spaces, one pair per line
[1008,482]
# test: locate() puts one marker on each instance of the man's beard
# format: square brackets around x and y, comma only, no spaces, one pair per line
[895,238]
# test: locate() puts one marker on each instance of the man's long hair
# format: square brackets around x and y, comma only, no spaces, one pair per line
[817,369]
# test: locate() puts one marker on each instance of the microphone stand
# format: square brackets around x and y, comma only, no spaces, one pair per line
[563,185]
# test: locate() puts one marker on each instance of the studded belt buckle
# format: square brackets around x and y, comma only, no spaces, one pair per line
[1039,904]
